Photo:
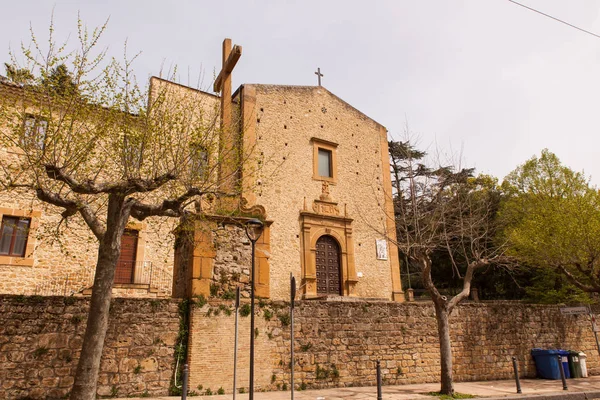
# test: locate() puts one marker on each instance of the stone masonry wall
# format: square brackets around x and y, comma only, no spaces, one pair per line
[287,117]
[40,343]
[232,262]
[338,343]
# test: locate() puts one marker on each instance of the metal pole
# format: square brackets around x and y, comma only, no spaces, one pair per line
[407,270]
[292,359]
[594,329]
[184,385]
[251,389]
[379,380]
[516,368]
[562,372]
[235,346]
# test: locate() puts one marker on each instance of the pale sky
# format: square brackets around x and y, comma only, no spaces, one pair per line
[484,78]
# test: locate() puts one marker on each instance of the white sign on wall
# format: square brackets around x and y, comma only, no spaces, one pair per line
[573,310]
[381,247]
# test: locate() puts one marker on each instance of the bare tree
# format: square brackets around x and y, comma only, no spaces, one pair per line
[442,209]
[89,141]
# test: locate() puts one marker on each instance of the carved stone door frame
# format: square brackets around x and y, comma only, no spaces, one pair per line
[325,221]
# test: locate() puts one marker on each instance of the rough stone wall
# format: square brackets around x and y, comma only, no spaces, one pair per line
[232,262]
[229,266]
[55,254]
[287,118]
[338,343]
[64,259]
[40,343]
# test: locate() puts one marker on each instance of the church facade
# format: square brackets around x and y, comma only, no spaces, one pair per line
[324,181]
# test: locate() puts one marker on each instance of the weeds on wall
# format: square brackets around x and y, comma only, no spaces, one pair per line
[245,310]
[284,318]
[181,343]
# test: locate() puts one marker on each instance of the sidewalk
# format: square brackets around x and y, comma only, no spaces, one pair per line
[585,388]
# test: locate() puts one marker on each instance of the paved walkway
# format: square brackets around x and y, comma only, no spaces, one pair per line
[490,389]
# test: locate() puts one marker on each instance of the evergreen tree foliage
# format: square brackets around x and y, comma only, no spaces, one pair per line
[18,75]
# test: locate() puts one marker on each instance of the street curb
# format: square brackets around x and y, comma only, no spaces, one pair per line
[552,396]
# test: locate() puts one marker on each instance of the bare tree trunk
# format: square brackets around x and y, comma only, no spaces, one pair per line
[109,249]
[442,311]
[441,315]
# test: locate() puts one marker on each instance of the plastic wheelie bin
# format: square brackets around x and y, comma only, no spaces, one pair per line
[582,363]
[564,354]
[546,363]
[575,365]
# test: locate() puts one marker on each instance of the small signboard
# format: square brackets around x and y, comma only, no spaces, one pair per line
[573,310]
[381,249]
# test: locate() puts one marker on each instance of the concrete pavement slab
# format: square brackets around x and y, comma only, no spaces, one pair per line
[538,389]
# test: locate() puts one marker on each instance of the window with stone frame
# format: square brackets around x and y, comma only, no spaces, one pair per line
[324,160]
[14,233]
[34,131]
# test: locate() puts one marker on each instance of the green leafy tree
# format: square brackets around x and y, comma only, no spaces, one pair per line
[553,221]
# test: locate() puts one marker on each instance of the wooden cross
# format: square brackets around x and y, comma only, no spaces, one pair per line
[223,81]
[319,75]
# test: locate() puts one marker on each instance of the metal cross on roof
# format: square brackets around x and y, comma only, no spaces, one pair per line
[319,75]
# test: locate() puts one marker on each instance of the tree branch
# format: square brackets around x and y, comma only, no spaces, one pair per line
[126,187]
[168,208]
[71,208]
[466,290]
[586,288]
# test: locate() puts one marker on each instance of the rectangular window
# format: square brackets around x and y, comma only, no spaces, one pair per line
[35,131]
[14,231]
[324,160]
[325,163]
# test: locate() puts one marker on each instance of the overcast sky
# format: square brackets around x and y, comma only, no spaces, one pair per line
[486,78]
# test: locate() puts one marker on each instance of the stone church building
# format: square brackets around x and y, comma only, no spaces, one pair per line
[311,166]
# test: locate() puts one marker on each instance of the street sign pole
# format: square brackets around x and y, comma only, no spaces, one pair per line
[292,299]
[594,327]
[237,312]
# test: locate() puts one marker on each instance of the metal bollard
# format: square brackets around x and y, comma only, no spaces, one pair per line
[184,383]
[379,380]
[517,380]
[562,373]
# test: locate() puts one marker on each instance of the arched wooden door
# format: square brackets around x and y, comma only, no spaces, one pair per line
[329,277]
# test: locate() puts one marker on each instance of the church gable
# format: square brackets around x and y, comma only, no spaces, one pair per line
[304,137]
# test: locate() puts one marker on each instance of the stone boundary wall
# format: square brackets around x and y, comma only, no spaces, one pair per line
[40,343]
[338,343]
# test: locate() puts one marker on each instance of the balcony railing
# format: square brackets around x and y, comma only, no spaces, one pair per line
[144,274]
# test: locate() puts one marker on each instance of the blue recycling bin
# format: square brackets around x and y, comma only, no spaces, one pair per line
[564,354]
[546,363]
